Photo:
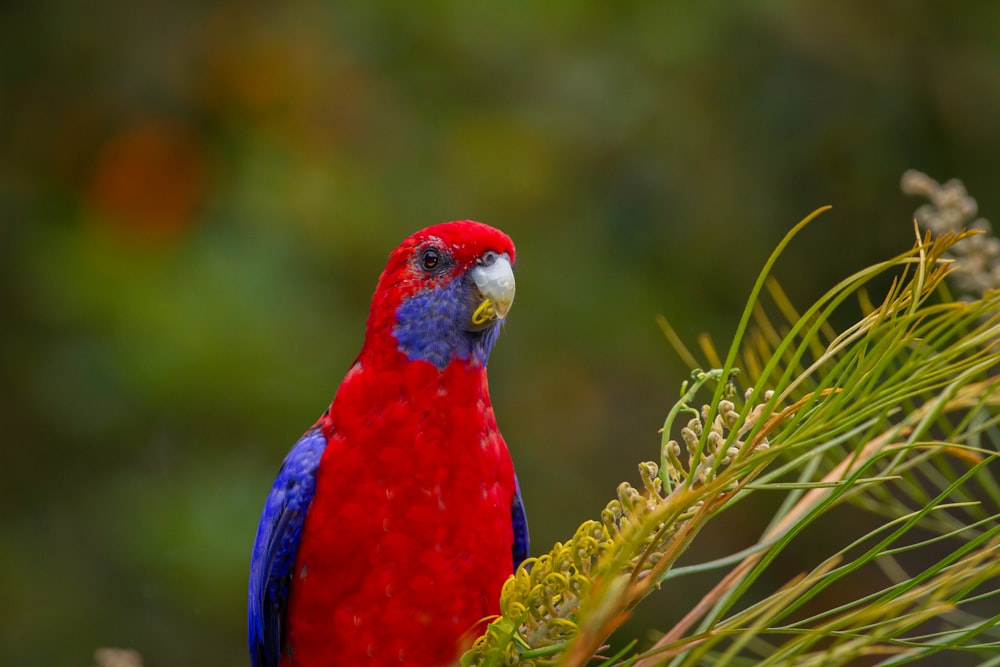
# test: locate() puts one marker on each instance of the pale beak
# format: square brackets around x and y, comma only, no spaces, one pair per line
[494,279]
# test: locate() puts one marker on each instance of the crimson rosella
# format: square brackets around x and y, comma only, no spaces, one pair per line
[395,520]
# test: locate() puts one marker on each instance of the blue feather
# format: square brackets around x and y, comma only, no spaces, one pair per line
[433,325]
[276,546]
[520,522]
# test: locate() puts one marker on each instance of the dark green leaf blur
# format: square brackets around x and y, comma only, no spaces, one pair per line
[196,199]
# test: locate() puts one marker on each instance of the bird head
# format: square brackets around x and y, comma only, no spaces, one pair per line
[443,295]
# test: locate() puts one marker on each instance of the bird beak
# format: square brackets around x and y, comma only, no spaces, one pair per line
[494,279]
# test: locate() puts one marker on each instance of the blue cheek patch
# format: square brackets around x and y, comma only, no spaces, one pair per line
[432,325]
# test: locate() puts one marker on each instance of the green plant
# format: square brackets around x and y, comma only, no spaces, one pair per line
[896,414]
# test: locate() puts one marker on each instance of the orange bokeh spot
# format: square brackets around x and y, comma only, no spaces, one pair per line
[150,179]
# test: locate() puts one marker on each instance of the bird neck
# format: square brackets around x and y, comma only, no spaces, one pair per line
[375,390]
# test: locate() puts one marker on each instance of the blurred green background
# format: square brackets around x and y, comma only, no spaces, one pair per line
[196,199]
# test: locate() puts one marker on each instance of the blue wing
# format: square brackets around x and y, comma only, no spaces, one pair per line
[276,545]
[520,522]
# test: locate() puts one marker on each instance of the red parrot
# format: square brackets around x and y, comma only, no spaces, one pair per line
[395,520]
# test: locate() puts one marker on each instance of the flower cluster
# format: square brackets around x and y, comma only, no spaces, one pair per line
[547,598]
[539,605]
[117,657]
[705,462]
[952,210]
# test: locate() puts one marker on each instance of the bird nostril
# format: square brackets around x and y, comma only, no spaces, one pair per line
[489,258]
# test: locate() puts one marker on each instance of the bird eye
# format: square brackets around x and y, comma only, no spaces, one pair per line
[430,258]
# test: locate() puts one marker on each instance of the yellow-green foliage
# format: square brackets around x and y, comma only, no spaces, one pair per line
[590,582]
[896,414]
